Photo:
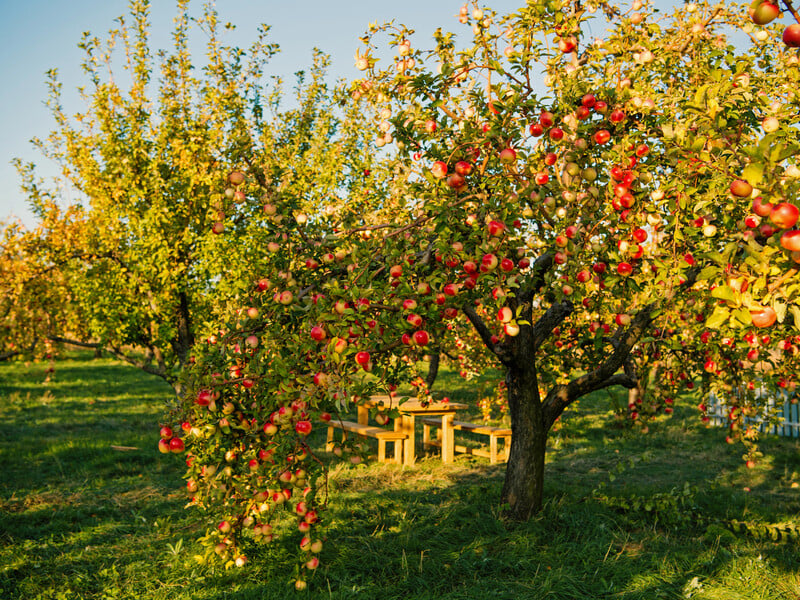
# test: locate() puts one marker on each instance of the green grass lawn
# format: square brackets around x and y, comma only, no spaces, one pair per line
[627,516]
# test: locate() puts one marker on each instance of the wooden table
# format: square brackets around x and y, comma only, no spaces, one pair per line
[408,419]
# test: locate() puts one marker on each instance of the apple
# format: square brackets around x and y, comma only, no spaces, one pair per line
[395,271]
[588,100]
[317,333]
[623,319]
[763,316]
[740,188]
[624,268]
[439,169]
[536,129]
[567,44]
[511,329]
[489,262]
[784,215]
[791,35]
[507,265]
[166,432]
[505,314]
[303,427]
[414,320]
[362,358]
[556,134]
[421,337]
[409,304]
[236,177]
[546,119]
[163,446]
[761,207]
[602,136]
[790,240]
[616,116]
[763,12]
[456,181]
[508,156]
[462,167]
[204,397]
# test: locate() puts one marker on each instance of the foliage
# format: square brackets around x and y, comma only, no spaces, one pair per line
[589,234]
[139,255]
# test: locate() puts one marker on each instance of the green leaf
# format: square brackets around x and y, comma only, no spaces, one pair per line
[718,317]
[753,173]
[723,292]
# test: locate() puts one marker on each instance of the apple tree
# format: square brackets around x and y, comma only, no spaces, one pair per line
[147,265]
[582,204]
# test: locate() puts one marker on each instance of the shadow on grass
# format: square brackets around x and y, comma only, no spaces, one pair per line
[79,520]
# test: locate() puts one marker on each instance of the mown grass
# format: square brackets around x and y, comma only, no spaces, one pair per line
[80,519]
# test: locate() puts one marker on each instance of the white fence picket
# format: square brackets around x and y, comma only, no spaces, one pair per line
[790,427]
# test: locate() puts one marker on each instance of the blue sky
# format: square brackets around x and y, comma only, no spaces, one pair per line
[37,35]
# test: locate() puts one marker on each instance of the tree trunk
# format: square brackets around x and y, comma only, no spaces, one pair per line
[433,370]
[524,484]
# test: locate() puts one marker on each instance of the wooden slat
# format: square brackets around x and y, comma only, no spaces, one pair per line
[473,427]
[376,432]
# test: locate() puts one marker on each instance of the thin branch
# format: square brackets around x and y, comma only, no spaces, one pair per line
[484,333]
[552,318]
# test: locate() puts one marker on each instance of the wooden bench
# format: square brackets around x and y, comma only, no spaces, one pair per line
[494,433]
[382,435]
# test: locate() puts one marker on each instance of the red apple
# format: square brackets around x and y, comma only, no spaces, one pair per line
[303,427]
[362,358]
[764,12]
[784,215]
[463,168]
[439,169]
[624,268]
[602,136]
[791,35]
[761,208]
[176,445]
[421,337]
[317,333]
[790,240]
[740,188]
[456,181]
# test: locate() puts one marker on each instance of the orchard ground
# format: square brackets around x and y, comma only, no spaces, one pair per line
[627,516]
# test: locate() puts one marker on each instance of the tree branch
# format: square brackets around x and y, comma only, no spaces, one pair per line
[543,328]
[484,333]
[539,269]
[561,396]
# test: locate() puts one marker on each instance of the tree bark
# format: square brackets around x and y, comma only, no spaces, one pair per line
[433,370]
[523,489]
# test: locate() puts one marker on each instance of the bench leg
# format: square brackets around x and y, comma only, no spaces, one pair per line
[381,450]
[426,435]
[492,449]
[448,440]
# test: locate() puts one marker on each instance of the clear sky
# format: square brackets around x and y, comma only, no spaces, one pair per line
[37,35]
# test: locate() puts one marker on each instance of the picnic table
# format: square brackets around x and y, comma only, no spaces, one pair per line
[406,423]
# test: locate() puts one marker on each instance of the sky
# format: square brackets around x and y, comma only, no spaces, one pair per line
[38,35]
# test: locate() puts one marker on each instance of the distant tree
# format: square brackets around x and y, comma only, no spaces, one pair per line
[144,265]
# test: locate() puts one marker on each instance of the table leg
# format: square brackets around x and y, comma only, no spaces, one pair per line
[363,415]
[407,423]
[448,440]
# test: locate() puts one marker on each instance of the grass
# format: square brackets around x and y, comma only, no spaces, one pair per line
[627,516]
